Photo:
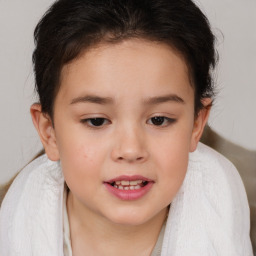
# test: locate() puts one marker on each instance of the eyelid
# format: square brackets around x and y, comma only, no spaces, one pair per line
[169,120]
[86,120]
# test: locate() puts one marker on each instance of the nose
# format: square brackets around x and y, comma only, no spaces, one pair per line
[130,146]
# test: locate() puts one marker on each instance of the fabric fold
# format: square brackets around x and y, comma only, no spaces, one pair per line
[31,213]
[209,216]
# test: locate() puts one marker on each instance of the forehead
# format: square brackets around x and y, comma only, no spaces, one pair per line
[143,66]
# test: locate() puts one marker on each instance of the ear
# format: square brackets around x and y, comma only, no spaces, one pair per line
[200,122]
[46,132]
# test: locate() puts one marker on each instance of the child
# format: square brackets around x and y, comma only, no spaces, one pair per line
[125,91]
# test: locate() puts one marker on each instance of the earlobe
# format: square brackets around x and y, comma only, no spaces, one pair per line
[45,129]
[200,122]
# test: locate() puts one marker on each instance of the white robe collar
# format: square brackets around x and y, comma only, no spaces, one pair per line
[209,215]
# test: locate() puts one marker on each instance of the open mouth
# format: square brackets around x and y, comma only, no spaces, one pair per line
[129,185]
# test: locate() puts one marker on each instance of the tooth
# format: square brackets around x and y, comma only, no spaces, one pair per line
[131,187]
[121,187]
[115,186]
[137,187]
[125,182]
[139,181]
[126,188]
[118,182]
[134,182]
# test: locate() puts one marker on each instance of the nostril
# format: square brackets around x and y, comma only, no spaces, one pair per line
[129,152]
[130,158]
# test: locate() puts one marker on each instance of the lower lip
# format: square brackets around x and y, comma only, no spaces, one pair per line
[129,195]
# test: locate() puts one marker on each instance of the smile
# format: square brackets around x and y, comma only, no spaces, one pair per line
[129,187]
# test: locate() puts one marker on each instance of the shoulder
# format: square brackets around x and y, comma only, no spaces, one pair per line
[215,166]
[2,193]
[28,178]
[222,186]
[212,199]
[4,189]
[223,192]
[219,175]
[241,182]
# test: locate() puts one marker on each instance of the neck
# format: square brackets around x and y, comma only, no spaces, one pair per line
[96,235]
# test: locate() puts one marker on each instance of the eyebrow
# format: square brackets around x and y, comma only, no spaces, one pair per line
[93,99]
[163,99]
[107,100]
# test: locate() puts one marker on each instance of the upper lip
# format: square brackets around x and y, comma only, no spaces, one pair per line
[129,178]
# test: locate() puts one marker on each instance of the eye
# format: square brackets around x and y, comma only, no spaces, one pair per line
[161,121]
[95,122]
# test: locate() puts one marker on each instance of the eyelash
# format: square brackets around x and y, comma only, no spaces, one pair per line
[88,121]
[167,120]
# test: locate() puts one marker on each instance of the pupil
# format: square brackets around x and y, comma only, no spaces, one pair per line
[97,121]
[158,120]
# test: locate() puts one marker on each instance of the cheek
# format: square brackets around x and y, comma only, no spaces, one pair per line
[80,162]
[174,172]
[172,161]
[172,149]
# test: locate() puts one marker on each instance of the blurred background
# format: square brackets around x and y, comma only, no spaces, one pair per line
[234,113]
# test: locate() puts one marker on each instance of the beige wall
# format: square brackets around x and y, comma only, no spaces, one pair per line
[234,114]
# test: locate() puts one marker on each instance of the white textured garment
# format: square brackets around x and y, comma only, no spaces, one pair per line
[67,248]
[208,217]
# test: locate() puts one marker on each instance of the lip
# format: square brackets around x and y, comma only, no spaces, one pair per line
[130,178]
[129,195]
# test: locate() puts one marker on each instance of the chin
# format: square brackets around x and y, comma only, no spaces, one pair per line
[129,218]
[134,217]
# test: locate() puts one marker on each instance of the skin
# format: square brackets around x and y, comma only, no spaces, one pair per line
[129,75]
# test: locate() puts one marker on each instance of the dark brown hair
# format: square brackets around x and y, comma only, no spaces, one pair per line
[72,26]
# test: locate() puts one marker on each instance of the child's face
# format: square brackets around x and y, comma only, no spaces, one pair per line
[124,87]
